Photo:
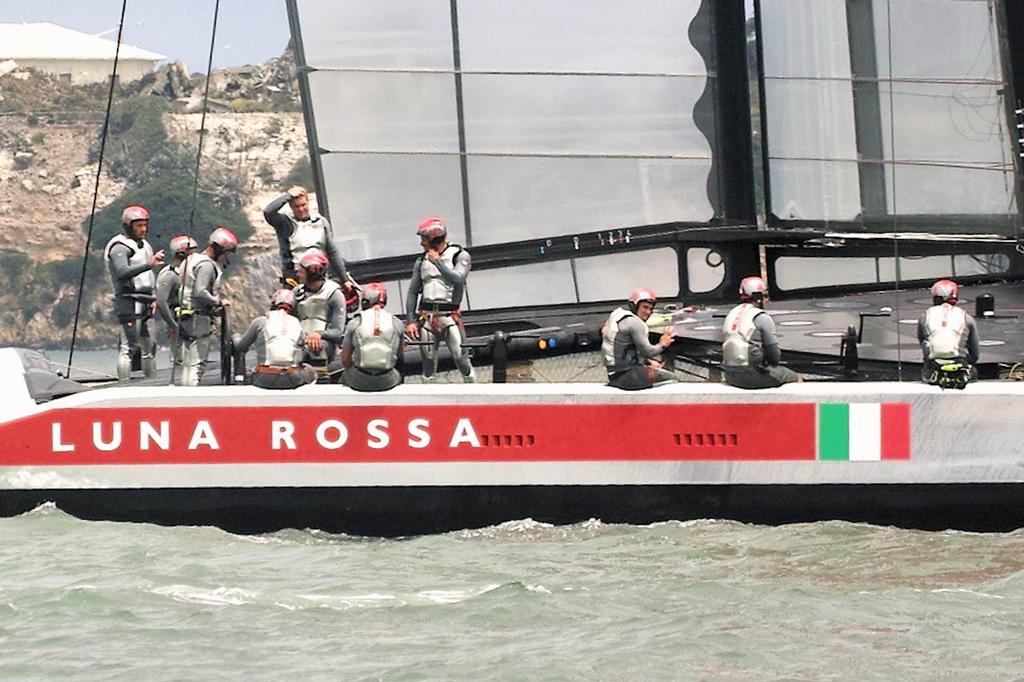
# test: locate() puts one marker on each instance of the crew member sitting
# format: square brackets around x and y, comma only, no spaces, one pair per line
[630,358]
[373,344]
[320,306]
[750,352]
[948,338]
[279,341]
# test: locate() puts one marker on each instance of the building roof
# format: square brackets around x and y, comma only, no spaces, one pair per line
[50,41]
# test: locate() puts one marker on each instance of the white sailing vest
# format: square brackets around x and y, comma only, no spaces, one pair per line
[373,338]
[142,283]
[307,235]
[611,330]
[281,334]
[435,288]
[188,278]
[945,326]
[739,328]
[312,307]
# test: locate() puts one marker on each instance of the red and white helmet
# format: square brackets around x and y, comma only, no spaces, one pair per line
[946,289]
[223,240]
[283,298]
[315,263]
[182,244]
[375,293]
[642,294]
[132,213]
[751,287]
[432,228]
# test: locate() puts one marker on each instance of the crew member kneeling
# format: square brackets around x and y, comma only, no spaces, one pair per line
[948,337]
[372,344]
[630,358]
[279,342]
[750,352]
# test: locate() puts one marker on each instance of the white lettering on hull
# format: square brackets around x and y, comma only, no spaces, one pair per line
[331,434]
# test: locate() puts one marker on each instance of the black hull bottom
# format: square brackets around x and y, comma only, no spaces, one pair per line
[398,511]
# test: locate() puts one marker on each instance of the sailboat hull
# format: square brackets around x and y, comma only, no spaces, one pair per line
[424,458]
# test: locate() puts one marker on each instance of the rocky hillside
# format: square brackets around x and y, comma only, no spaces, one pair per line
[48,165]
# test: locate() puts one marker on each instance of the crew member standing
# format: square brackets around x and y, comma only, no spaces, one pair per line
[373,344]
[947,335]
[199,301]
[279,340]
[130,262]
[435,297]
[300,233]
[750,352]
[631,360]
[167,294]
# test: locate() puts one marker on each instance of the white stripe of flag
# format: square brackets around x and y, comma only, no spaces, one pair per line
[865,432]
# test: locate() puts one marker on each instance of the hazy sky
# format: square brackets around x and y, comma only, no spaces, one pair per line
[248,31]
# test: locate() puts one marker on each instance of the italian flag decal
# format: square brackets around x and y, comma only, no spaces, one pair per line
[863,432]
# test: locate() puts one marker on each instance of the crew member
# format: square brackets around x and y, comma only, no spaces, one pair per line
[167,294]
[435,296]
[631,360]
[320,308]
[300,233]
[279,340]
[373,344]
[750,352]
[130,263]
[948,337]
[199,300]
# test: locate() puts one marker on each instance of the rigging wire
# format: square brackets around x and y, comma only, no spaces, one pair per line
[895,222]
[96,187]
[202,119]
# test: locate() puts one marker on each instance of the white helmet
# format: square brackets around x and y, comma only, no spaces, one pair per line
[223,239]
[132,213]
[752,287]
[945,289]
[182,244]
[283,298]
[641,294]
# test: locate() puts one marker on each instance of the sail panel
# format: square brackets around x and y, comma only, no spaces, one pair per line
[534,120]
[923,123]
[378,200]
[397,34]
[602,36]
[518,198]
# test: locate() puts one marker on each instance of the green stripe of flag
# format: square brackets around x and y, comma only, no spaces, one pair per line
[833,431]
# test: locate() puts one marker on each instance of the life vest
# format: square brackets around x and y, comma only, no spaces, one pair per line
[306,236]
[188,270]
[945,332]
[281,334]
[435,289]
[142,283]
[739,329]
[611,330]
[313,307]
[374,338]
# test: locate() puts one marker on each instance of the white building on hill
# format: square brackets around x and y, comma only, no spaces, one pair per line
[72,55]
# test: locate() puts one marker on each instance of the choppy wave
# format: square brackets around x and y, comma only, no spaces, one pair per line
[520,600]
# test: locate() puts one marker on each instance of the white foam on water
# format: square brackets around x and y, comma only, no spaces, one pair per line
[220,596]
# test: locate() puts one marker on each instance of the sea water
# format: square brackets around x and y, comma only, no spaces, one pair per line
[703,600]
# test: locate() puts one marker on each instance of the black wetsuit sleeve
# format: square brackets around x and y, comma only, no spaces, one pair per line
[166,282]
[973,342]
[243,342]
[412,298]
[283,227]
[120,268]
[333,253]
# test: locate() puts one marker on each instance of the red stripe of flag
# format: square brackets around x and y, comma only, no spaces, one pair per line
[895,431]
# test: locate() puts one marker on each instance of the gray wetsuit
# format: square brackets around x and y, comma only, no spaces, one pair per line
[374,338]
[295,237]
[627,352]
[434,299]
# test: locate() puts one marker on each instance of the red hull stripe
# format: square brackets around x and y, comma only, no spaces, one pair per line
[455,433]
[895,431]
